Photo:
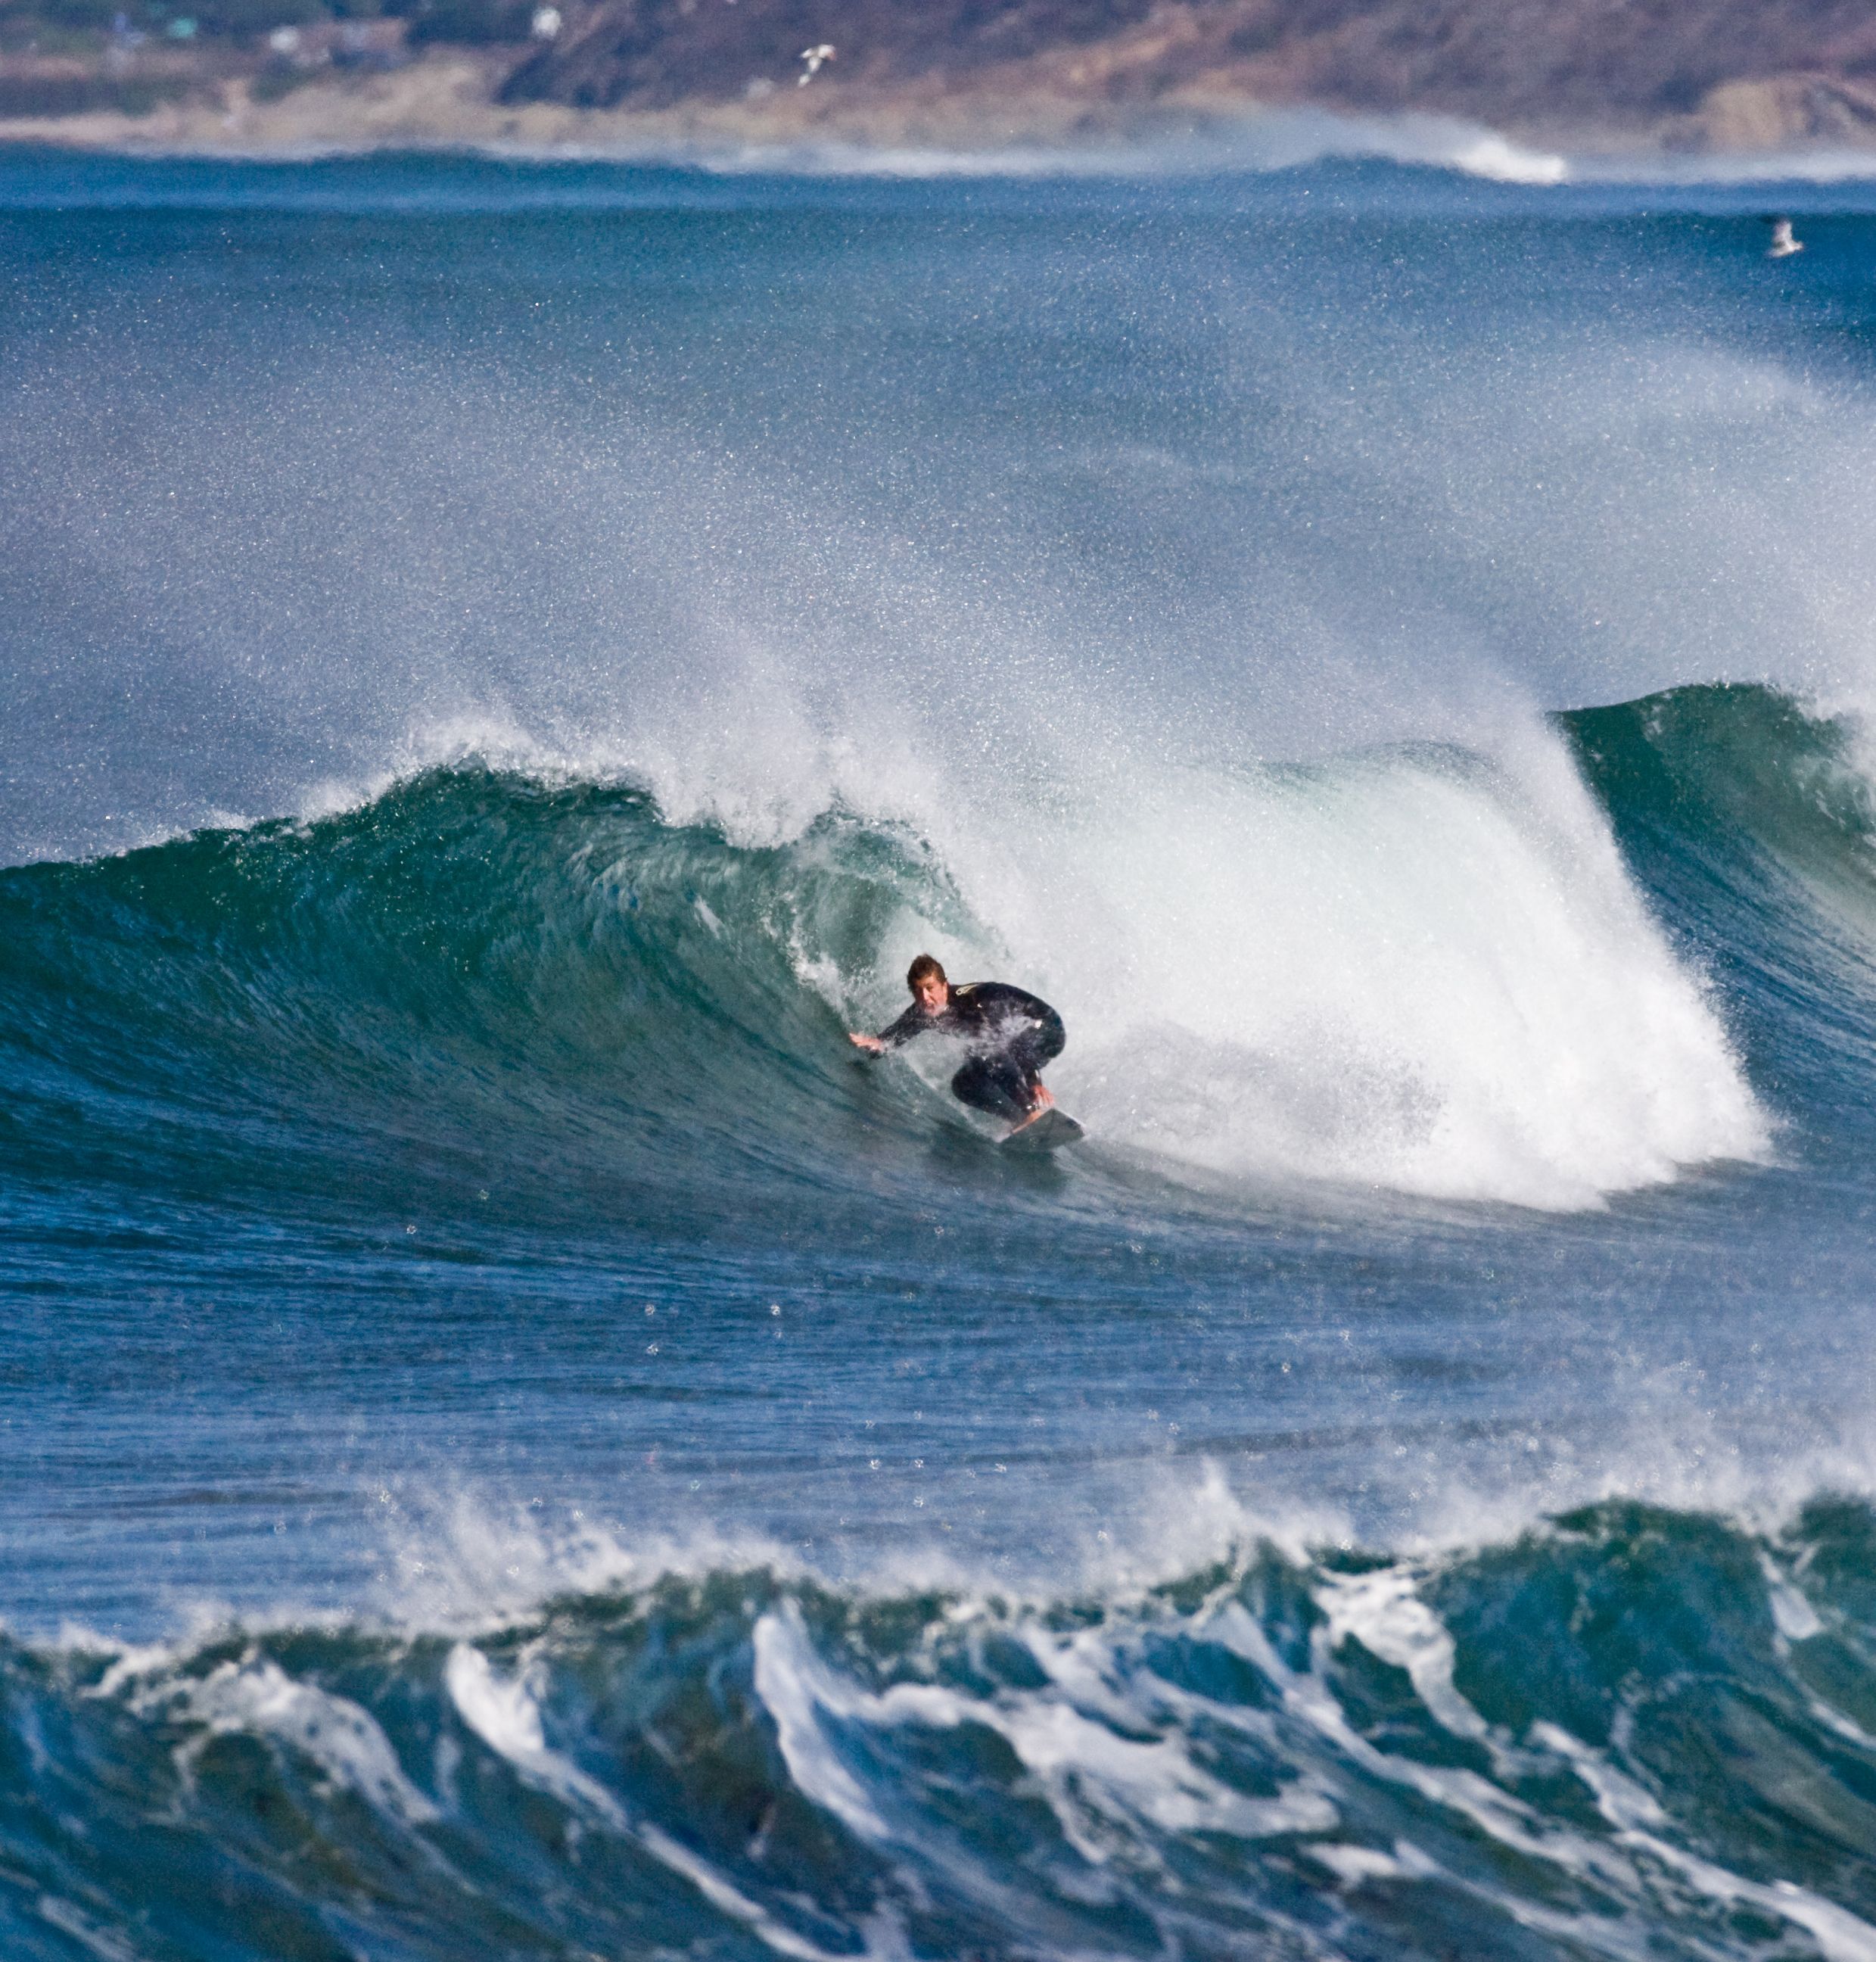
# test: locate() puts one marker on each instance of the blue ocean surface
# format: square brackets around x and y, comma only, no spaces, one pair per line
[516,1441]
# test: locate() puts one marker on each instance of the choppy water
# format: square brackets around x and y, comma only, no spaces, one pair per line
[513,1441]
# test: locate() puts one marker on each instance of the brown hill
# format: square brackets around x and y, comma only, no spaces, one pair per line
[1692,74]
[1807,65]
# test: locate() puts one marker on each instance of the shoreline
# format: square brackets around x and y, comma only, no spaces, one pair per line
[443,100]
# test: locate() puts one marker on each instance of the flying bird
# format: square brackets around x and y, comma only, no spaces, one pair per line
[1783,244]
[814,57]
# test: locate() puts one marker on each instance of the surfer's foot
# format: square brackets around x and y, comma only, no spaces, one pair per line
[1043,1101]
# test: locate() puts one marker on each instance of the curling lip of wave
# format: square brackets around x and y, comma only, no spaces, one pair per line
[1422,970]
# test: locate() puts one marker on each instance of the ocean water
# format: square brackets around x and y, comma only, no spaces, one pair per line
[515,1443]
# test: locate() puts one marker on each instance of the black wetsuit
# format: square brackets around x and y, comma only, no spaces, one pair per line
[1011,1035]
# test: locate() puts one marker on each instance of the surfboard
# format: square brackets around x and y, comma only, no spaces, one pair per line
[1048,1132]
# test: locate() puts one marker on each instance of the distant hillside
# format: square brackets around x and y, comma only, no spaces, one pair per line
[1547,65]
[651,53]
[1694,74]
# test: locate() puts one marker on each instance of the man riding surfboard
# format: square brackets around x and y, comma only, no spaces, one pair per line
[1010,1033]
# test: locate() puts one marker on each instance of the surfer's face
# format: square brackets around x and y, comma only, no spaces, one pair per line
[931,994]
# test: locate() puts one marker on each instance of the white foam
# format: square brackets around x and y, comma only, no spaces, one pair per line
[461,1559]
[790,1684]
[1352,1865]
[1071,1737]
[505,1713]
[1108,1746]
[1072,1744]
[73,1922]
[1793,1616]
[1247,139]
[255,1696]
[1637,1822]
[1840,1935]
[1383,1611]
[1423,970]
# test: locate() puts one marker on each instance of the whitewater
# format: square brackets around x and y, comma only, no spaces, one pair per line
[514,1442]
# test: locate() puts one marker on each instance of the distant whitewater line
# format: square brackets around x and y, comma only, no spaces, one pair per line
[1258,142]
[1201,139]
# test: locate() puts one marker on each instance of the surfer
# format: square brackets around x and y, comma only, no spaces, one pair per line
[1010,1034]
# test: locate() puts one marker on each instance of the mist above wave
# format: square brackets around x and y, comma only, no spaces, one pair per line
[1135,469]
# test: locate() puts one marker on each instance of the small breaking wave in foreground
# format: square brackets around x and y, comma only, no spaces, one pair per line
[1628,1732]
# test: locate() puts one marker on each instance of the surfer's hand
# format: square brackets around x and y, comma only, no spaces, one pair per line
[871,1043]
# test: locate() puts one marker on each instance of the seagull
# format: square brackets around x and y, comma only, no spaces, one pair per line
[1783,244]
[814,57]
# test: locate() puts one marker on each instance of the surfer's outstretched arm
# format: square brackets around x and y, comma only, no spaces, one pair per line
[914,1022]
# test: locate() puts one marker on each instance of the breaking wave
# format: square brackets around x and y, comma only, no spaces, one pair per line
[1420,968]
[1628,1731]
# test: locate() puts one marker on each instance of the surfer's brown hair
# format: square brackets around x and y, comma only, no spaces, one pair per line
[925,965]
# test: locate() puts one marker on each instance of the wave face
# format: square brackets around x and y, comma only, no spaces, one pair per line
[1631,1732]
[1750,818]
[470,966]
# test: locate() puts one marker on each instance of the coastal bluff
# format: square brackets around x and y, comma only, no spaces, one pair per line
[1692,77]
